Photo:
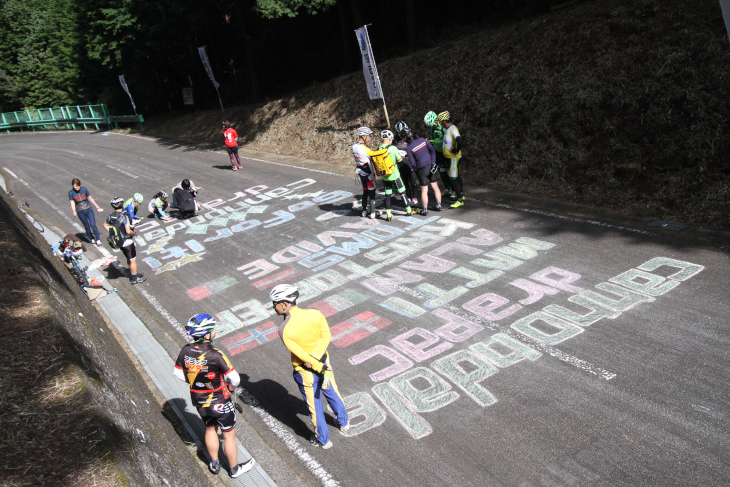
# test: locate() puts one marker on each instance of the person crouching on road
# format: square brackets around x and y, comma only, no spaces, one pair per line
[158,205]
[306,334]
[131,206]
[393,181]
[206,370]
[183,198]
[121,222]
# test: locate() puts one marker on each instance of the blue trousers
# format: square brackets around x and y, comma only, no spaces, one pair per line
[89,220]
[310,385]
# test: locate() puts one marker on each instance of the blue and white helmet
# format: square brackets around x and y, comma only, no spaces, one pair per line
[200,325]
[284,292]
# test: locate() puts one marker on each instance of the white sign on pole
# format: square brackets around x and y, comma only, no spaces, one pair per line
[368,64]
[206,64]
[725,7]
[124,86]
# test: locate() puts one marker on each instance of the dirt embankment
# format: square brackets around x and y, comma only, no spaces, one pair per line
[619,104]
[73,408]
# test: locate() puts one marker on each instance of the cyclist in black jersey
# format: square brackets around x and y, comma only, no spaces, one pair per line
[206,370]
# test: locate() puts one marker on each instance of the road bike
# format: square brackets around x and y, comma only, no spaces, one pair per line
[73,259]
[30,218]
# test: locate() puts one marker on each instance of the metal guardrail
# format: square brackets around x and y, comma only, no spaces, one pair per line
[67,117]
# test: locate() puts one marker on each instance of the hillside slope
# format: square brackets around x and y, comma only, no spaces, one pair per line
[621,104]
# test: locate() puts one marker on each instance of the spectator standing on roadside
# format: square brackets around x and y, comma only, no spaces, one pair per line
[81,202]
[393,181]
[121,222]
[423,159]
[211,378]
[230,136]
[452,151]
[436,137]
[364,168]
[306,334]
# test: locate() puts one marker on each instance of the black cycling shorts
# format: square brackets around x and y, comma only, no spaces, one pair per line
[232,150]
[425,176]
[223,415]
[130,252]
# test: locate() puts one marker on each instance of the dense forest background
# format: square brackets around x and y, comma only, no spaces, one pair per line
[60,52]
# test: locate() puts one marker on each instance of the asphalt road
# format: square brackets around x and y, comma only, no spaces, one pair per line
[478,346]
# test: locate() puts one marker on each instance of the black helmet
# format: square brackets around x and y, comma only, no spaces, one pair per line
[117,203]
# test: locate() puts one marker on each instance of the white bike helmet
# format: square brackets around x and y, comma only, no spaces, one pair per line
[363,131]
[386,134]
[284,292]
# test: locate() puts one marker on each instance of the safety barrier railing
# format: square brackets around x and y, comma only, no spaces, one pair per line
[65,118]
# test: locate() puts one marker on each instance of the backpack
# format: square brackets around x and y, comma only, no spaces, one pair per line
[117,232]
[382,163]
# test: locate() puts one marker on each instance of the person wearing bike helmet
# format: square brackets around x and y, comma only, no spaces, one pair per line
[436,137]
[124,225]
[408,173]
[306,335]
[230,137]
[452,152]
[158,205]
[364,169]
[393,181]
[131,206]
[423,159]
[211,378]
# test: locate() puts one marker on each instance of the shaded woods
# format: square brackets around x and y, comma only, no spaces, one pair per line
[57,52]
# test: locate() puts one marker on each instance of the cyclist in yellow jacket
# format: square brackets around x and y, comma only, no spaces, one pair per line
[306,334]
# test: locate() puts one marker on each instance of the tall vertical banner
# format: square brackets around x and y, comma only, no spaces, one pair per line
[725,7]
[206,65]
[124,86]
[372,80]
[368,64]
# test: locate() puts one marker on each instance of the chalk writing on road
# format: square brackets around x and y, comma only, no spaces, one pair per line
[484,316]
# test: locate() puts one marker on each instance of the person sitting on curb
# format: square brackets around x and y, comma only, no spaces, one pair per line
[121,222]
[206,370]
[158,205]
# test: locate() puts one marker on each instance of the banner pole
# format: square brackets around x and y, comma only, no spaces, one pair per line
[219,99]
[385,108]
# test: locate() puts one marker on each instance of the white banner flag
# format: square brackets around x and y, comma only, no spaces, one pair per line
[124,85]
[368,64]
[206,64]
[725,7]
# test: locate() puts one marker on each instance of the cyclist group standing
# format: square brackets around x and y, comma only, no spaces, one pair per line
[417,162]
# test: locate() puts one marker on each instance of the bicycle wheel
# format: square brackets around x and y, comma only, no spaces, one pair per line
[79,273]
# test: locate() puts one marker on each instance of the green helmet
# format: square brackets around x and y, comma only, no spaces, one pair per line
[429,119]
[138,198]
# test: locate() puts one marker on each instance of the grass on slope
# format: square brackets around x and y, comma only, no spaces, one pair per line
[621,104]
